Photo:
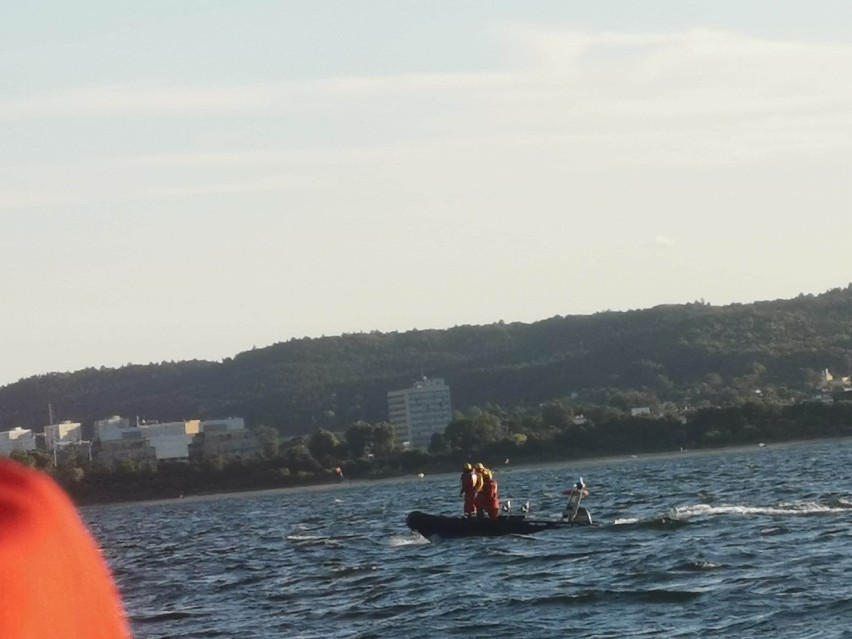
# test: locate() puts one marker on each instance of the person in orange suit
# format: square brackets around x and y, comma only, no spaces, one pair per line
[54,582]
[488,499]
[469,481]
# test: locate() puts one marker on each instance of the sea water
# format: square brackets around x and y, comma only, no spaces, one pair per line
[745,543]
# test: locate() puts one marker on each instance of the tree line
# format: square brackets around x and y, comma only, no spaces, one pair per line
[694,355]
[492,434]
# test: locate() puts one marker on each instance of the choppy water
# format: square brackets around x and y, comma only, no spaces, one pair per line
[737,544]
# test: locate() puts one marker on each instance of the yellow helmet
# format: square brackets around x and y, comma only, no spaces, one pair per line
[480,466]
[468,467]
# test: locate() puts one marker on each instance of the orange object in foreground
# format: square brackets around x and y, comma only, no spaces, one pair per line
[54,582]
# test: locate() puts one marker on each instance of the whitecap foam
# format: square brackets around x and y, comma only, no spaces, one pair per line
[411,540]
[626,521]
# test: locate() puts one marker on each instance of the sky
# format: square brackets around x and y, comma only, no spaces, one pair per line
[192,179]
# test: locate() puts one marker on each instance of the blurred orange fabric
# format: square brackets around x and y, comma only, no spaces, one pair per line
[54,582]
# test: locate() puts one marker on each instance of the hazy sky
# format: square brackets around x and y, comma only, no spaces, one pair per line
[187,179]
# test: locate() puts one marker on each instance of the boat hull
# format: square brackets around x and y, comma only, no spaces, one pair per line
[443,526]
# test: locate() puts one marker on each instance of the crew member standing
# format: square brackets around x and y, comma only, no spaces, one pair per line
[488,499]
[575,496]
[479,469]
[469,482]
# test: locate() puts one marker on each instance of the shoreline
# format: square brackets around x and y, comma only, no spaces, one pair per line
[357,483]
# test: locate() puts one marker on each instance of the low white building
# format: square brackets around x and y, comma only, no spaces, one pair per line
[115,428]
[224,425]
[17,439]
[225,437]
[62,434]
[113,451]
[171,440]
[119,440]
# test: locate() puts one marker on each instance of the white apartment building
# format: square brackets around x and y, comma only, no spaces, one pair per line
[419,412]
[17,439]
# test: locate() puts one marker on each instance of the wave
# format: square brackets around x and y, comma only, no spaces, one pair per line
[306,537]
[165,615]
[654,595]
[663,522]
[697,566]
[313,540]
[843,503]
[415,539]
[774,531]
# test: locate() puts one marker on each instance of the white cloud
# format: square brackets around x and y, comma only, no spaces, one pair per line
[124,100]
[696,73]
[577,100]
[268,184]
[525,190]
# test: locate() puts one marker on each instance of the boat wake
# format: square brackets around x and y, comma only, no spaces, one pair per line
[663,522]
[783,510]
[682,515]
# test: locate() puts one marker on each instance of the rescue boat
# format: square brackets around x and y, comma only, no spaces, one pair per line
[430,525]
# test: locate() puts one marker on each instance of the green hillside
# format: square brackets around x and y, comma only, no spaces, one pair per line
[693,354]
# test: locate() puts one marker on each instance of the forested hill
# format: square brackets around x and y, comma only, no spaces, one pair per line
[693,354]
